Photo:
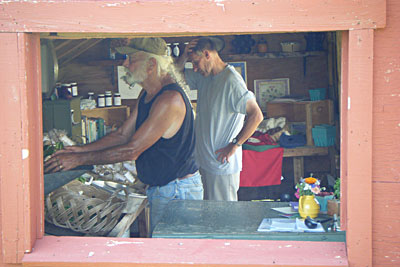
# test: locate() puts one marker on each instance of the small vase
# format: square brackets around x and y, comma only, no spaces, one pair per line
[323,202]
[262,46]
[308,207]
[333,207]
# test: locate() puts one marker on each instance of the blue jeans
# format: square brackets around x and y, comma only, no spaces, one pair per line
[160,196]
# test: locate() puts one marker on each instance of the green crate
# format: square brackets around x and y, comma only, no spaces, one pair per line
[317,94]
[324,135]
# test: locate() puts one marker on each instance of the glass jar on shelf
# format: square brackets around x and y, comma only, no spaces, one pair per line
[74,89]
[108,99]
[262,46]
[117,99]
[101,101]
[90,95]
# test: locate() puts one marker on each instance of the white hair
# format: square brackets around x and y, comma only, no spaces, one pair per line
[166,66]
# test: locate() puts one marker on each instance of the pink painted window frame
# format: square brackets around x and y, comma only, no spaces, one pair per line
[348,86]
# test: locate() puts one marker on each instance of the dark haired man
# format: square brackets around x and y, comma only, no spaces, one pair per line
[223,103]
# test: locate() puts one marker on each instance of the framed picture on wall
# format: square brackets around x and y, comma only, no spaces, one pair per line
[269,89]
[241,68]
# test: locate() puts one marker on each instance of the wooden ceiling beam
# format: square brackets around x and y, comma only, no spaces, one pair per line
[89,43]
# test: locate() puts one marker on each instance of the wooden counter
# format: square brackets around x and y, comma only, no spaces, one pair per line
[211,219]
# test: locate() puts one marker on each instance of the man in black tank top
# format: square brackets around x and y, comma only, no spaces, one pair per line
[158,135]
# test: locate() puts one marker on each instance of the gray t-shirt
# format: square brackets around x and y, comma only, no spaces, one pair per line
[221,109]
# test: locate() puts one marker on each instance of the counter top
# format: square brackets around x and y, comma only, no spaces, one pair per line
[228,220]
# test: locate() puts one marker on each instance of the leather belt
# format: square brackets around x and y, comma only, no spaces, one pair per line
[187,176]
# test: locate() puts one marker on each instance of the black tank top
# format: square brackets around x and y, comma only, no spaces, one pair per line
[171,158]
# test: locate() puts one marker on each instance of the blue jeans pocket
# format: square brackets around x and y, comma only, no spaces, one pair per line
[196,194]
[191,188]
[161,192]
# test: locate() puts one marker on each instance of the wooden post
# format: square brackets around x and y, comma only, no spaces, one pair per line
[344,41]
[298,169]
[21,192]
[359,147]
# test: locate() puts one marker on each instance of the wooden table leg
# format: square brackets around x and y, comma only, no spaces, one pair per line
[125,223]
[144,222]
[298,169]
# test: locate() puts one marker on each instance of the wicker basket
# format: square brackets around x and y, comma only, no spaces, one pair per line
[84,208]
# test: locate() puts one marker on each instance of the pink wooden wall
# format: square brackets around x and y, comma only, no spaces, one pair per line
[20,150]
[182,17]
[370,114]
[359,145]
[386,141]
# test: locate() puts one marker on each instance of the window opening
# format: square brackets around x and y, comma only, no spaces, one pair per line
[296,66]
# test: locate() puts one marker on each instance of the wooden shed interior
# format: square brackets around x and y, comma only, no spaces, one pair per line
[91,63]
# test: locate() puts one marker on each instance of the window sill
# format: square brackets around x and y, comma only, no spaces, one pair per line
[104,251]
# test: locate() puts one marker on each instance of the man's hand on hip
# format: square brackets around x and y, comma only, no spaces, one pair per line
[226,152]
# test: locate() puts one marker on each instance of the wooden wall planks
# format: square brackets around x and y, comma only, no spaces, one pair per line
[386,223]
[31,18]
[166,17]
[386,145]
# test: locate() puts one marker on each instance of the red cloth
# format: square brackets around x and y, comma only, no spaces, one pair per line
[264,138]
[261,168]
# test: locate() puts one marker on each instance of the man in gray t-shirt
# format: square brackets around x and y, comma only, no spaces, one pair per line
[223,103]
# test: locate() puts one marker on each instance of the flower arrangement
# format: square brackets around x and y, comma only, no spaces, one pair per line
[308,187]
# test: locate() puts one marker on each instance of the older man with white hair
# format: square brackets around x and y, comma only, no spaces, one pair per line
[158,135]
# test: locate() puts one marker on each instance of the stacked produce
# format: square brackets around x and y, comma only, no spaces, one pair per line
[123,173]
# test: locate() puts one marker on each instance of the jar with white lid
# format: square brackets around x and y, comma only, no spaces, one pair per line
[117,99]
[90,95]
[101,101]
[108,99]
[74,89]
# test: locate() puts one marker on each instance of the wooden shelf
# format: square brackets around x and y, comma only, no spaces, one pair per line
[272,55]
[305,151]
[113,116]
[310,112]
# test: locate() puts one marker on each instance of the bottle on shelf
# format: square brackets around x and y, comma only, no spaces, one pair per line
[90,95]
[101,101]
[108,99]
[262,46]
[117,99]
[74,89]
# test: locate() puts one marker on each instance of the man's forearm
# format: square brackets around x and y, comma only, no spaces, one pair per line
[247,131]
[111,140]
[180,61]
[109,156]
[249,127]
